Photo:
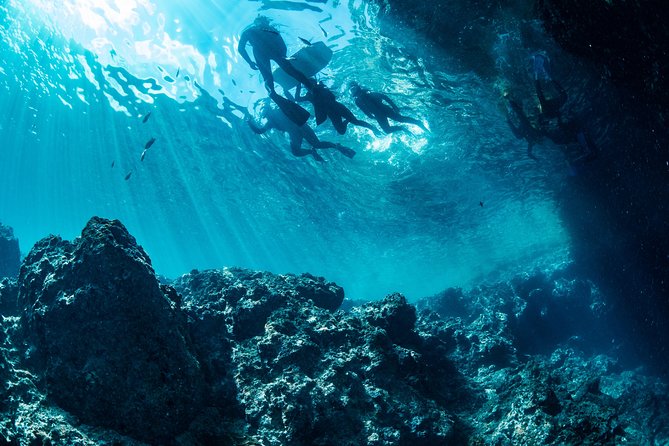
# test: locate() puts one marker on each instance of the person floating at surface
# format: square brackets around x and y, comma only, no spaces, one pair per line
[276,119]
[520,125]
[380,107]
[326,106]
[567,134]
[268,46]
[550,104]
[573,134]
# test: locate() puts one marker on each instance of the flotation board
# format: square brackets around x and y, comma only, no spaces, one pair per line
[293,111]
[308,60]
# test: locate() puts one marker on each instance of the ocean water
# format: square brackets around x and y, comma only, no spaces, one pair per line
[413,212]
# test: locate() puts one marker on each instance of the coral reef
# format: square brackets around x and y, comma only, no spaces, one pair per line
[102,353]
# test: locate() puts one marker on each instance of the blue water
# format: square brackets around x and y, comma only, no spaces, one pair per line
[404,215]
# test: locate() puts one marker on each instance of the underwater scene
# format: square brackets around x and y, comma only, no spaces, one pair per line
[327,222]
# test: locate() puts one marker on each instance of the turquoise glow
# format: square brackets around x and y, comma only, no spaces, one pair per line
[403,215]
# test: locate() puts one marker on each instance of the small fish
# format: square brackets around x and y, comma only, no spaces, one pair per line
[324,32]
[141,158]
[146,117]
[305,41]
[178,71]
[127,177]
[149,143]
[233,82]
[113,164]
[481,203]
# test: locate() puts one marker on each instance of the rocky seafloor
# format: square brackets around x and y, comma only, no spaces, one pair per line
[96,350]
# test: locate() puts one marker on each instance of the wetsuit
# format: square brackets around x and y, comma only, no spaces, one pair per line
[276,119]
[381,107]
[267,45]
[326,106]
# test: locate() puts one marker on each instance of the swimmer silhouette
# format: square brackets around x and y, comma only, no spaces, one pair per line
[380,107]
[326,106]
[276,119]
[268,45]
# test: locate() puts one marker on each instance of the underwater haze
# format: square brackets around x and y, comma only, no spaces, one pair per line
[413,212]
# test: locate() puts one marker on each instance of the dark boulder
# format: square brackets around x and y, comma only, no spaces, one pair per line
[8,297]
[112,346]
[234,304]
[305,375]
[10,256]
[251,296]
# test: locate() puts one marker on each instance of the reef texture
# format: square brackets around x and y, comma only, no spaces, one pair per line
[10,256]
[101,353]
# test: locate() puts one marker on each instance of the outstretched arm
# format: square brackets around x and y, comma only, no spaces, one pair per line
[241,48]
[390,102]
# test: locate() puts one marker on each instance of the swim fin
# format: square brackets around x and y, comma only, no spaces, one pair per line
[350,153]
[295,112]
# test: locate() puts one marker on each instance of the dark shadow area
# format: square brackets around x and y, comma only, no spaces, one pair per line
[615,208]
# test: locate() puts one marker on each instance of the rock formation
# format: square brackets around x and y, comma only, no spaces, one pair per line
[101,353]
[10,256]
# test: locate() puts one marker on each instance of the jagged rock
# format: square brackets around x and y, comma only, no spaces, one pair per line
[111,344]
[532,313]
[557,307]
[278,365]
[307,376]
[8,297]
[10,256]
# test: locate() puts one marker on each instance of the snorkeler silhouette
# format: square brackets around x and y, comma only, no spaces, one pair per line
[276,119]
[268,45]
[326,106]
[570,134]
[380,107]
[552,97]
[520,125]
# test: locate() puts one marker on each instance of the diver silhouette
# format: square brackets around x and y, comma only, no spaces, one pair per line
[380,107]
[276,119]
[568,134]
[268,46]
[326,106]
[552,96]
[520,125]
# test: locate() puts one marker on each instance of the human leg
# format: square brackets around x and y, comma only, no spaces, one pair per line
[316,143]
[296,147]
[408,120]
[292,71]
[265,67]
[386,127]
[348,116]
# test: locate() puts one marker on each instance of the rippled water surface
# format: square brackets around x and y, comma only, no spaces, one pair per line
[413,212]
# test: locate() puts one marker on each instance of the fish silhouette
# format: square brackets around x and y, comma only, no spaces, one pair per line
[149,143]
